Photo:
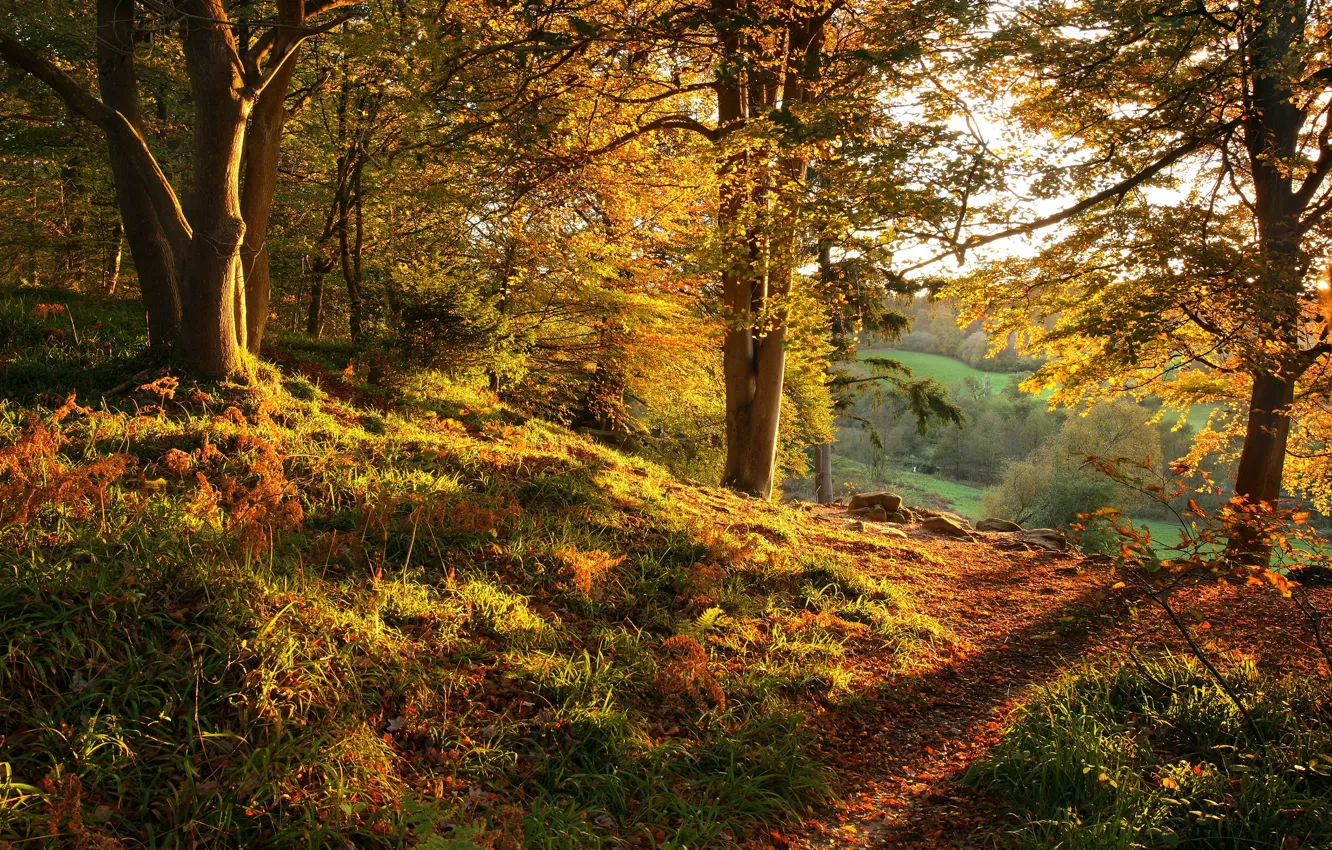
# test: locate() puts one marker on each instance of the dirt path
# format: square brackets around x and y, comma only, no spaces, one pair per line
[1020,618]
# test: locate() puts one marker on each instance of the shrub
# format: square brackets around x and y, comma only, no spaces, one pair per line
[1153,754]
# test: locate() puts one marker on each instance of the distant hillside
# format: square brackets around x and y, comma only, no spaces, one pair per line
[949,370]
[946,369]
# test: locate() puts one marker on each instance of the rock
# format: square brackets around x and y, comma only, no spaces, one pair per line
[855,525]
[1067,572]
[888,501]
[873,513]
[895,533]
[900,517]
[1046,538]
[615,439]
[993,524]
[945,526]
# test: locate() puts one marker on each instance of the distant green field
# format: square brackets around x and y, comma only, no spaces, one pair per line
[947,369]
[917,489]
[950,370]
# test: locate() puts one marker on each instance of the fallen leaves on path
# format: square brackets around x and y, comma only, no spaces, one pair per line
[1018,619]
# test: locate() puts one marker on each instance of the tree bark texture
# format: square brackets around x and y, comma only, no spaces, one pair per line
[757,217]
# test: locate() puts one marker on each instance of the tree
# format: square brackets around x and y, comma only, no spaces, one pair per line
[789,83]
[190,261]
[1209,127]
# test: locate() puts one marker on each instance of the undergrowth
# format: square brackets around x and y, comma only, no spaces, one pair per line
[261,616]
[1153,754]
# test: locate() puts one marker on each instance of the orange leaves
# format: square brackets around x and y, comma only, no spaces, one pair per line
[164,387]
[584,568]
[702,582]
[1280,582]
[34,474]
[42,312]
[684,675]
[178,461]
[484,519]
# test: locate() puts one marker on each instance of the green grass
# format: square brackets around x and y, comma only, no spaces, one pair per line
[1153,754]
[916,488]
[948,370]
[261,616]
[54,341]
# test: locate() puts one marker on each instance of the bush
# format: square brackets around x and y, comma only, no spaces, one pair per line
[1153,754]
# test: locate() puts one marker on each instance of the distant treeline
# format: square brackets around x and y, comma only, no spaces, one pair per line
[934,330]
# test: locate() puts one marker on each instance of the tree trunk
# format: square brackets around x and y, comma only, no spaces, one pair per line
[263,141]
[153,258]
[1271,135]
[349,247]
[1262,459]
[758,217]
[213,334]
[823,481]
[117,255]
[314,320]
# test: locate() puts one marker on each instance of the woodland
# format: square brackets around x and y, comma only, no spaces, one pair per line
[459,425]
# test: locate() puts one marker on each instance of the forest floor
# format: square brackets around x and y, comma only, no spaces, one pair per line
[430,621]
[1020,621]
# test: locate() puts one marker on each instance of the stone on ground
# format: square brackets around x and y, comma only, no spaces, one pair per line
[888,501]
[874,513]
[948,527]
[993,524]
[1046,538]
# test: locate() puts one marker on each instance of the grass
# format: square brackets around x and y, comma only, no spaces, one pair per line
[948,370]
[261,616]
[1152,754]
[916,488]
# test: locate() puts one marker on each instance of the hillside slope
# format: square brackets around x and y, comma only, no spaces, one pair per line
[265,616]
[259,616]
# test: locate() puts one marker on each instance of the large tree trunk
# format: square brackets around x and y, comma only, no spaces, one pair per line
[749,386]
[213,335]
[1262,461]
[759,220]
[1271,133]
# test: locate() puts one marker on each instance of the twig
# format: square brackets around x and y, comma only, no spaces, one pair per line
[1162,600]
[70,316]
[1315,617]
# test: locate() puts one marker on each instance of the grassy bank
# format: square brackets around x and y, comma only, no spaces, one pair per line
[261,616]
[1153,754]
[948,370]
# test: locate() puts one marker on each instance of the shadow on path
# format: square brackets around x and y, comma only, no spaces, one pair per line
[1020,618]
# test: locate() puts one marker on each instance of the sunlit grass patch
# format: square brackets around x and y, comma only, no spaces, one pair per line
[1153,754]
[262,616]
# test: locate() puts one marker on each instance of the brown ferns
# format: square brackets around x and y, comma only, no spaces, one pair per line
[33,474]
[684,676]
